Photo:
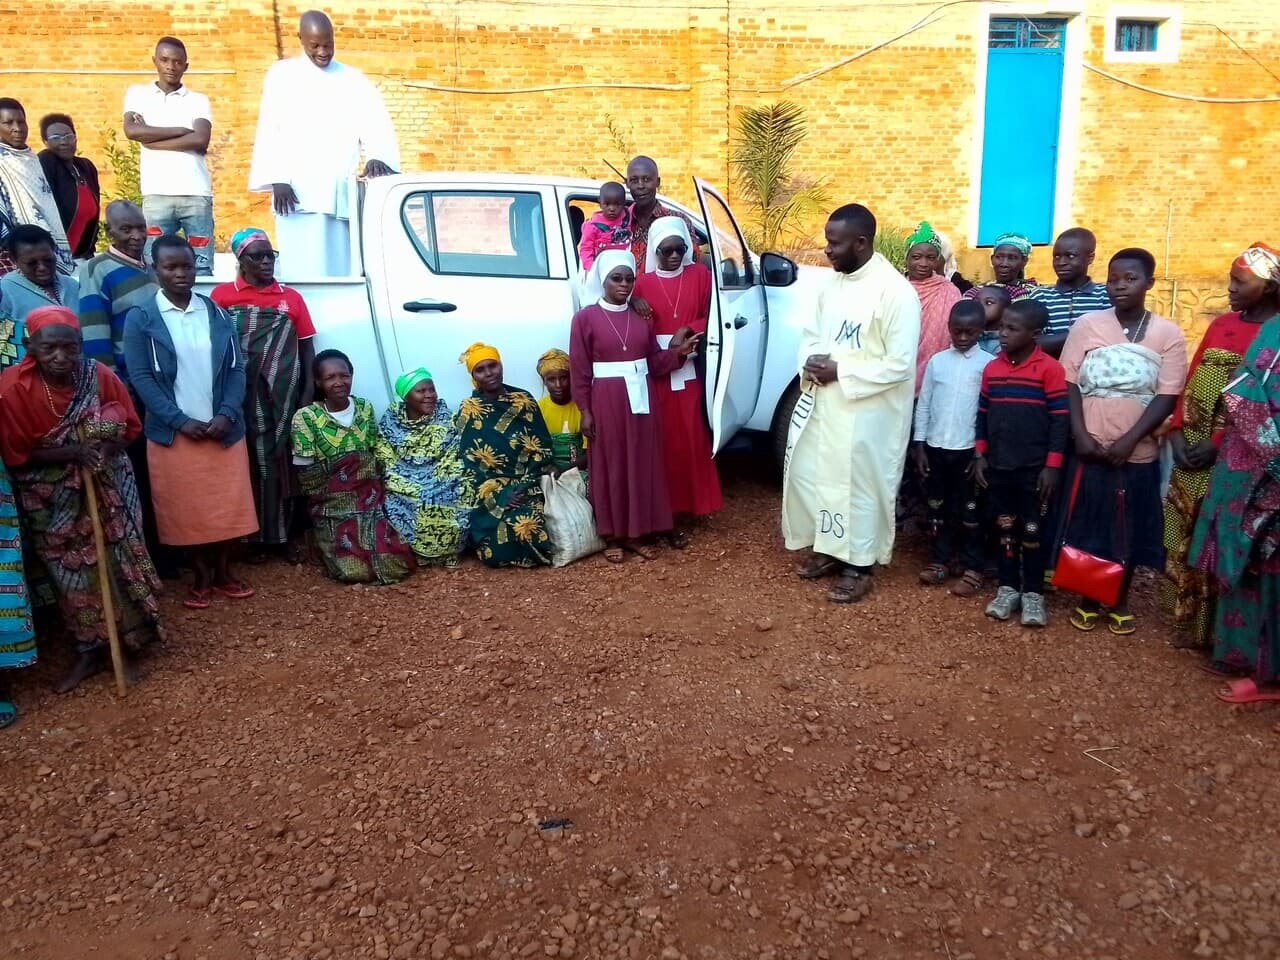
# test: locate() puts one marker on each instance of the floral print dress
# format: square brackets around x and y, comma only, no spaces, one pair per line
[506,449]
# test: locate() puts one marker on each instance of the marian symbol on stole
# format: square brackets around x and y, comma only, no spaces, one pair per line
[850,333]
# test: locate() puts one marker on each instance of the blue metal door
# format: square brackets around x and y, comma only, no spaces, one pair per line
[1023,112]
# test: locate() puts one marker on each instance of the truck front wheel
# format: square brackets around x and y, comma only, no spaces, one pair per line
[782,424]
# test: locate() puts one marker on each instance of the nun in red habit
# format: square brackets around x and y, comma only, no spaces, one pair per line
[613,360]
[679,292]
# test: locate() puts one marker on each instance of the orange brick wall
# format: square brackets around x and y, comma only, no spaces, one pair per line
[893,129]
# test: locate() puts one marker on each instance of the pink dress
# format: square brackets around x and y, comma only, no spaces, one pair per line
[684,301]
[625,462]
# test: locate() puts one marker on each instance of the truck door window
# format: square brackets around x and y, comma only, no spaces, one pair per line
[734,267]
[478,233]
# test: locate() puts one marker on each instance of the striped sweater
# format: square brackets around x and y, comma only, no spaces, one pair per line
[110,287]
[1023,420]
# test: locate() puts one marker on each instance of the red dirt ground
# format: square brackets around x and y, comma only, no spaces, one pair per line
[750,772]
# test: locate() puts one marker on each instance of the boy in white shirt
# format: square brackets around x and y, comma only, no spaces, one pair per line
[942,449]
[173,125]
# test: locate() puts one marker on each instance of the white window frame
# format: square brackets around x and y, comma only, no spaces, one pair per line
[1073,11]
[1168,36]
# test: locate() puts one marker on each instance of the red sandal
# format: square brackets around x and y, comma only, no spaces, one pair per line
[197,600]
[235,590]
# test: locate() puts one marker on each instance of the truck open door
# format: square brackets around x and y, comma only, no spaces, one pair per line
[737,328]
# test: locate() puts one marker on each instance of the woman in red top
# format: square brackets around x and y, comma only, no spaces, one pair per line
[679,292]
[74,182]
[1254,296]
[62,416]
[276,336]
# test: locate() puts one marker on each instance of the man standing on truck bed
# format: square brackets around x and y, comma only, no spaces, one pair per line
[316,117]
[849,431]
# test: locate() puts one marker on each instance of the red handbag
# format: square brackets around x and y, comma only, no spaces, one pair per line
[1080,572]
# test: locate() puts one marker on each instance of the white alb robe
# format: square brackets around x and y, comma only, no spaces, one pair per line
[848,438]
[313,125]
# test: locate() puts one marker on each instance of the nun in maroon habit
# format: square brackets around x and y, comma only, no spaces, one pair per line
[613,358]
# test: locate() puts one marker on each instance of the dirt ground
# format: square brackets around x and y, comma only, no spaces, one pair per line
[697,757]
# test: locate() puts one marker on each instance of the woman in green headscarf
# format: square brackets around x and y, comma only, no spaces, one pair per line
[937,294]
[429,495]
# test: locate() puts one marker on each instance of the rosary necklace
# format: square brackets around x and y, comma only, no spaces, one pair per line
[1142,325]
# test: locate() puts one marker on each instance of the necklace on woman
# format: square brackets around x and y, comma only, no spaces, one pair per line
[622,337]
[675,306]
[1142,325]
[48,395]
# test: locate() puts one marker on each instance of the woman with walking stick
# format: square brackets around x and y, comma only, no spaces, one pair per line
[64,423]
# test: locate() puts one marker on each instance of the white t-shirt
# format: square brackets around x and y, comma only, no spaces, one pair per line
[171,173]
[189,331]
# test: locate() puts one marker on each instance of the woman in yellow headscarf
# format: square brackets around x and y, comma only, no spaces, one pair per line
[560,413]
[505,450]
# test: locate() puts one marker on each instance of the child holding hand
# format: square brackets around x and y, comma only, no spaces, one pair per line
[943,451]
[1021,437]
[561,414]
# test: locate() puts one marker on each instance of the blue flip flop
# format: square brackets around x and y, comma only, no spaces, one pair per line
[8,714]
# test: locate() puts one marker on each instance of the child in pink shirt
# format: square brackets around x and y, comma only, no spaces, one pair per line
[608,229]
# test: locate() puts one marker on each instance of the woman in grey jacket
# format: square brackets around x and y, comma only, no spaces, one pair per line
[184,362]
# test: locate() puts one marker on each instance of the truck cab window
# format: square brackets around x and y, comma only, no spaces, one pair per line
[478,233]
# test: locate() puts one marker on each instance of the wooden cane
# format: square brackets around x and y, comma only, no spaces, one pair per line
[104,580]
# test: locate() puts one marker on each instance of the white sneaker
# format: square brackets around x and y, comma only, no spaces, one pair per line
[1033,614]
[1006,603]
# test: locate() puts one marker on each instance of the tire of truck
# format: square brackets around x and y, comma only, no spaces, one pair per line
[782,424]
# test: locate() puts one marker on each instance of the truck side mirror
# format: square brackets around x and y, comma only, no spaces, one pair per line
[777,270]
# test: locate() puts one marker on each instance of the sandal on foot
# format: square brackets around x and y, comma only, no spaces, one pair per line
[614,554]
[677,539]
[8,714]
[641,550]
[197,600]
[1083,619]
[851,587]
[1245,690]
[934,574]
[817,567]
[1122,624]
[235,590]
[969,584]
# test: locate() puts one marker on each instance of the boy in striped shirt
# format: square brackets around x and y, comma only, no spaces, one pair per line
[1022,431]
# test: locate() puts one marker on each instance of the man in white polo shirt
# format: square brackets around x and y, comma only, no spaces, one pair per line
[173,124]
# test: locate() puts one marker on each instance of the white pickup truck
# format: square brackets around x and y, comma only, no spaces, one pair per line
[443,260]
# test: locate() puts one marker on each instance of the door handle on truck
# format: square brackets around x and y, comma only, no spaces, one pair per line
[425,306]
[740,322]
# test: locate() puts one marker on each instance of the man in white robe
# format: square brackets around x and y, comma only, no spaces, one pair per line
[317,116]
[850,428]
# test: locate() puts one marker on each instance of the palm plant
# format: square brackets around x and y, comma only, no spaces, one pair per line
[780,205]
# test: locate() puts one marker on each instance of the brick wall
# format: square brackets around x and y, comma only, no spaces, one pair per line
[893,129]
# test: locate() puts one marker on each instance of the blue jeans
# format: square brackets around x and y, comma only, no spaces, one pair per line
[191,216]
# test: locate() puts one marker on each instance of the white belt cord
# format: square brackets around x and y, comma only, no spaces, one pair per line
[635,373]
[682,374]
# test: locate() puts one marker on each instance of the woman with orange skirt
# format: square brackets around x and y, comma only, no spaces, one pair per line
[185,362]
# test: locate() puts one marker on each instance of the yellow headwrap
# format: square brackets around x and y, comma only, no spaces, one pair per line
[551,361]
[477,353]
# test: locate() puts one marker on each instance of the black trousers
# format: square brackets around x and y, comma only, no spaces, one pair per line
[955,529]
[1020,524]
